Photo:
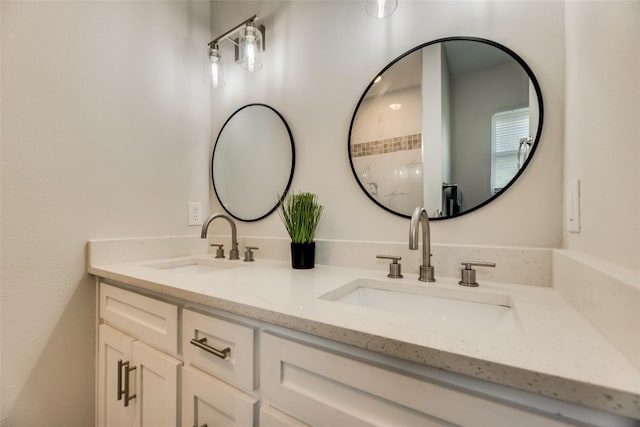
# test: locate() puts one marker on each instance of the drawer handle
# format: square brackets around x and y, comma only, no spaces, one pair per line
[202,343]
[124,391]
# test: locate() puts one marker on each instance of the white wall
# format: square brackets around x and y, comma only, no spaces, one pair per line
[105,133]
[603,127]
[320,57]
[377,121]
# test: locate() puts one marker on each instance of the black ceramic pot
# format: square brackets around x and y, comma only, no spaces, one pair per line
[303,255]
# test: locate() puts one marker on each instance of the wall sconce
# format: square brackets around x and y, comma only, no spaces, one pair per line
[248,40]
[381,8]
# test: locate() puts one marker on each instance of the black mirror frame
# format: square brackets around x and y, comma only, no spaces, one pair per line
[293,162]
[534,146]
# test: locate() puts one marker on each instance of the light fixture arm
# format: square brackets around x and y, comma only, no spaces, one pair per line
[215,41]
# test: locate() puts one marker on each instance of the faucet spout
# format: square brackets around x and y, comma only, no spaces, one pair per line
[235,253]
[418,219]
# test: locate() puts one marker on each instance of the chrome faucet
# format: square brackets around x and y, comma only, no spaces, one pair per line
[420,217]
[235,253]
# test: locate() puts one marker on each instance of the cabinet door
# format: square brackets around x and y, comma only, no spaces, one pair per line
[114,346]
[156,388]
[207,401]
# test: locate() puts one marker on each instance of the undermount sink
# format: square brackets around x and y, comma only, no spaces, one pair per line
[194,265]
[463,308]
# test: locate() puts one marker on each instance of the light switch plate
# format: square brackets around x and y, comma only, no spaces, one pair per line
[573,208]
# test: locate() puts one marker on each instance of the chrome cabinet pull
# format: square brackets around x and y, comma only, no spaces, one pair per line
[202,344]
[124,391]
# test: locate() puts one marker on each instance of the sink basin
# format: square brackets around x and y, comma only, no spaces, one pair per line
[192,266]
[458,308]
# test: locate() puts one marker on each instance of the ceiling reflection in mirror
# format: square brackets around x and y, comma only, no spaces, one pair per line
[449,126]
[253,161]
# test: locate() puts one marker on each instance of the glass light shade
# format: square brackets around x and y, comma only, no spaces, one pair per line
[215,76]
[250,48]
[381,8]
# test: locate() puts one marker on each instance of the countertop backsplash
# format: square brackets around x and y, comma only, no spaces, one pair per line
[526,266]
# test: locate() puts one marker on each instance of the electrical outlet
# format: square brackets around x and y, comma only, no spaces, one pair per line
[194,210]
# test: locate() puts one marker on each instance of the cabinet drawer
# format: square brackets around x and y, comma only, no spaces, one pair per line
[153,321]
[324,388]
[270,417]
[237,365]
[208,401]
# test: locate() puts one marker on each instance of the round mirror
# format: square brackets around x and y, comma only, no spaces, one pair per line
[253,161]
[449,125]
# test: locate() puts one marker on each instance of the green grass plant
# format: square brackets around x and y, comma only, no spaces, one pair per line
[300,214]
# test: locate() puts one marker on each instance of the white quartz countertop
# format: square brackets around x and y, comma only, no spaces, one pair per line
[553,351]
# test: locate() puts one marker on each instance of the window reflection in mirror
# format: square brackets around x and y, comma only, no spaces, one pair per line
[447,126]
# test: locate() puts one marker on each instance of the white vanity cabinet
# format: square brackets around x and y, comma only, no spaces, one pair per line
[137,383]
[163,361]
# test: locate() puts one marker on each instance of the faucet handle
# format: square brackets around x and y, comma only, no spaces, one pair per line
[219,251]
[468,274]
[395,268]
[248,254]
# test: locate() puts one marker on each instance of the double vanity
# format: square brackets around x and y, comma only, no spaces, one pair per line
[188,339]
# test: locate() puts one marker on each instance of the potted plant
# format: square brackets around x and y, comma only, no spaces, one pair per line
[300,213]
